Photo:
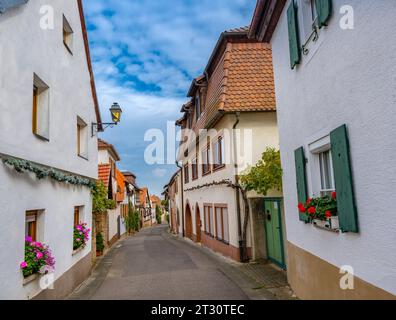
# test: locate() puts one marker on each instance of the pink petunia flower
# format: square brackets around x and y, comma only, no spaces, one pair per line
[39,255]
[28,239]
[23,265]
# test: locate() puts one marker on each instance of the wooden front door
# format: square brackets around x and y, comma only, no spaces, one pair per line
[189,233]
[273,231]
[198,223]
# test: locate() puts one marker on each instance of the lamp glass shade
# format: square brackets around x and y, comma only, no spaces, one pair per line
[116,112]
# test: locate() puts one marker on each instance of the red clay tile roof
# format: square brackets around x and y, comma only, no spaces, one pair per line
[156,200]
[143,195]
[104,174]
[120,196]
[244,29]
[249,78]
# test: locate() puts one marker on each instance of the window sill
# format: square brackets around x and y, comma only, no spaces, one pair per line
[77,251]
[215,169]
[30,279]
[67,47]
[41,137]
[83,157]
[206,173]
[222,241]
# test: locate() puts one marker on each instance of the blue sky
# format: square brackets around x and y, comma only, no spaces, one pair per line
[145,54]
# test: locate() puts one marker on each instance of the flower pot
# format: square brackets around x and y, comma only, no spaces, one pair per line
[331,224]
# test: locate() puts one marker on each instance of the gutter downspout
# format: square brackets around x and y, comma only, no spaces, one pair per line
[237,196]
[182,194]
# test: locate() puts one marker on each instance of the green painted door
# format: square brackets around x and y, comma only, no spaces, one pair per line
[273,230]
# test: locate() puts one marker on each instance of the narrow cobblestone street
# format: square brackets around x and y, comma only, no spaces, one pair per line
[156,265]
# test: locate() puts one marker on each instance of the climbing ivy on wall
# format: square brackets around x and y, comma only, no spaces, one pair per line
[266,174]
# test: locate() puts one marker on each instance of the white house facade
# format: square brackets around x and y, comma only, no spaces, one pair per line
[47,105]
[235,102]
[335,97]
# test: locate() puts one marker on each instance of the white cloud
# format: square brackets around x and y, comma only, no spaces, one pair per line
[159,173]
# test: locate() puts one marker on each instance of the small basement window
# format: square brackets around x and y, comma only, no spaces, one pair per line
[67,35]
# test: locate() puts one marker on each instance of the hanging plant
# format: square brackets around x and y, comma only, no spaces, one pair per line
[81,236]
[38,259]
[41,172]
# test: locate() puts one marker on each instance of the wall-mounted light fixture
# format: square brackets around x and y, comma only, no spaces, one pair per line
[115,112]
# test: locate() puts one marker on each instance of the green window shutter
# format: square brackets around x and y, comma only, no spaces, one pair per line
[294,41]
[324,9]
[347,211]
[301,178]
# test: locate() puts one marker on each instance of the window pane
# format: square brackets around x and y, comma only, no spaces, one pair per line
[216,154]
[326,158]
[212,222]
[222,151]
[219,232]
[225,225]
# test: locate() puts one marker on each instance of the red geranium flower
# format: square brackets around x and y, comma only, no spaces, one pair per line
[309,201]
[334,195]
[328,214]
[301,208]
[312,210]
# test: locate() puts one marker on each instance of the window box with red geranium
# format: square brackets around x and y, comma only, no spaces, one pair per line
[321,211]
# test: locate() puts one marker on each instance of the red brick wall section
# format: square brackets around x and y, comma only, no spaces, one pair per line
[220,247]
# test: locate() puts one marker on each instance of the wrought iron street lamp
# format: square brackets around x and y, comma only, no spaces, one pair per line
[115,112]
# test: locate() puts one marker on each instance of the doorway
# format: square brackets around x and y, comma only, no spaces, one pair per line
[273,231]
[198,223]
[189,233]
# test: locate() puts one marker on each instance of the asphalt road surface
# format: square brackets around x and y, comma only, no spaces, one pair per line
[153,265]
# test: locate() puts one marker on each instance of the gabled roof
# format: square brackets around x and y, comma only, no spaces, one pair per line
[120,196]
[104,174]
[143,195]
[195,84]
[236,34]
[249,85]
[155,199]
[103,145]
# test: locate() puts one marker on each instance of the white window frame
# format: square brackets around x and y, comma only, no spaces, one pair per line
[316,148]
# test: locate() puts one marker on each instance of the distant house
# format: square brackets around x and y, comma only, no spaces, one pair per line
[235,102]
[145,208]
[133,189]
[49,157]
[109,224]
[172,192]
[156,203]
[335,91]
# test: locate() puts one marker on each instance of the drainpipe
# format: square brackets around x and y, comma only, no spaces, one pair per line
[237,197]
[182,194]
